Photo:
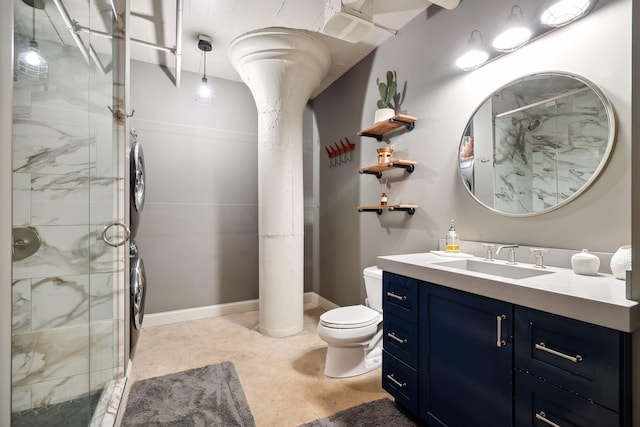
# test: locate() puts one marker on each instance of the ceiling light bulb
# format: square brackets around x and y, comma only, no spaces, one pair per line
[475,55]
[515,33]
[204,94]
[562,12]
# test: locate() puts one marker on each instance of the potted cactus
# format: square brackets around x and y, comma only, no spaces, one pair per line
[387,91]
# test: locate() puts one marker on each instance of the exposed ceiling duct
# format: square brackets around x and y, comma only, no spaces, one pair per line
[351,20]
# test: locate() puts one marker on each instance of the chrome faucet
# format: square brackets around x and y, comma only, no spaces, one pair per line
[489,247]
[539,257]
[511,256]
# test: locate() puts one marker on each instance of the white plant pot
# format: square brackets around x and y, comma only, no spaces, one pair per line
[384,114]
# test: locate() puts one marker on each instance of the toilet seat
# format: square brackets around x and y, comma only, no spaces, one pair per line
[351,317]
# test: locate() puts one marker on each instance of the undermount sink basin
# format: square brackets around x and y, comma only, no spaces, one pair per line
[495,268]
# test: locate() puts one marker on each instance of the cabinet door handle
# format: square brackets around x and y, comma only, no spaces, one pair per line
[396,296]
[499,341]
[543,417]
[395,381]
[542,346]
[394,337]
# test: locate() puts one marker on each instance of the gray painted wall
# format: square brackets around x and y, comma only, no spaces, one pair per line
[443,99]
[199,229]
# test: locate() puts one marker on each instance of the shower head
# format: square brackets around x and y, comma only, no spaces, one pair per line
[533,124]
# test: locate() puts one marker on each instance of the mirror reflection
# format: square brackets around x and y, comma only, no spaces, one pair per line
[536,143]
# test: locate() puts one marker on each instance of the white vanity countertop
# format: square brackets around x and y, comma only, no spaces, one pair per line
[595,299]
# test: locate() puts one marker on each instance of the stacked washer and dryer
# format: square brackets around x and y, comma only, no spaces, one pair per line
[138,280]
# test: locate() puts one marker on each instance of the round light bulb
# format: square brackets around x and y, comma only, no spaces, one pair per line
[512,39]
[564,11]
[204,91]
[472,59]
[33,58]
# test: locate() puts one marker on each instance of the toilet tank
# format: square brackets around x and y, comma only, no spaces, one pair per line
[373,286]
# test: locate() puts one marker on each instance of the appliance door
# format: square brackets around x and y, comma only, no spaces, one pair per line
[137,181]
[138,292]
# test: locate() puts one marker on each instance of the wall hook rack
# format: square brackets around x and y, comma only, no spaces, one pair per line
[340,153]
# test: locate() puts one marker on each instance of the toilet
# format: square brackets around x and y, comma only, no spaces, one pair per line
[354,333]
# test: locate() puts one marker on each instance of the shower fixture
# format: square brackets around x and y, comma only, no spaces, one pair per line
[203,96]
[533,124]
[30,61]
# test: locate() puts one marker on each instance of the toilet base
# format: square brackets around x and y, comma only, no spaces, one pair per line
[343,362]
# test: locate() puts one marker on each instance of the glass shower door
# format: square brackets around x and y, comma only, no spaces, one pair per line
[68,169]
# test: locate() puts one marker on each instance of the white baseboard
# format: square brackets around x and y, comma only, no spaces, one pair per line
[311,300]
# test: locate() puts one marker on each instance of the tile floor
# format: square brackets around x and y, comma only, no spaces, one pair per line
[282,377]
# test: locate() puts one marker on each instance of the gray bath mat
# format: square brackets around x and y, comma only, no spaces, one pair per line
[382,413]
[209,396]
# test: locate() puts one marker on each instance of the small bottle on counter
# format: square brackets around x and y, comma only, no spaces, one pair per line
[452,240]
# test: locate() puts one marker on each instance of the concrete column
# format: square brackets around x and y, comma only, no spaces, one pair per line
[282,67]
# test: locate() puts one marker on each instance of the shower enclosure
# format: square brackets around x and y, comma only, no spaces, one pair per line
[68,330]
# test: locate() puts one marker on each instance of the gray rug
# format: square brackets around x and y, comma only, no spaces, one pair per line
[383,413]
[209,396]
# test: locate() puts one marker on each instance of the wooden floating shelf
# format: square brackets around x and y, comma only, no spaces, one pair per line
[379,129]
[410,209]
[377,170]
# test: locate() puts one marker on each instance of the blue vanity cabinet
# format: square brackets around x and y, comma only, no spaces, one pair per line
[457,359]
[465,367]
[539,403]
[570,372]
[400,340]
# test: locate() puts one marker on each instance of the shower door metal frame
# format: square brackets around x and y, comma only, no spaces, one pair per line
[6,207]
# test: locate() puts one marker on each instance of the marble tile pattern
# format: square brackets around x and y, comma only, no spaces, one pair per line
[66,186]
[544,154]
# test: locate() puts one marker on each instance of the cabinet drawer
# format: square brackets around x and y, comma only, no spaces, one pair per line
[541,404]
[584,358]
[401,339]
[401,381]
[400,296]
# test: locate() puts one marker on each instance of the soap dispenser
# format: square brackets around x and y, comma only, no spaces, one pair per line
[452,240]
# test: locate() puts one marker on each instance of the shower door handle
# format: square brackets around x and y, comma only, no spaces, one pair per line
[115,243]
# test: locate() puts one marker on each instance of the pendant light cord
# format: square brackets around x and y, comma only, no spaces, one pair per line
[204,54]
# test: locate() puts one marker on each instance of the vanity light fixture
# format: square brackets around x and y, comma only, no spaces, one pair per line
[475,54]
[204,95]
[557,13]
[30,61]
[515,33]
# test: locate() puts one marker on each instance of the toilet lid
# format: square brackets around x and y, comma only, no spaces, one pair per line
[355,316]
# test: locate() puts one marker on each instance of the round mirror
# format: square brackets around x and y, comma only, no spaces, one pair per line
[536,144]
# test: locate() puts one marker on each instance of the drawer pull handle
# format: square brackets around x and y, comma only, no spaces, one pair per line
[543,417]
[499,341]
[396,296]
[542,346]
[395,381]
[394,337]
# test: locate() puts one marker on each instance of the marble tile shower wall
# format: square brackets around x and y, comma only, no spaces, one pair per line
[64,177]
[550,166]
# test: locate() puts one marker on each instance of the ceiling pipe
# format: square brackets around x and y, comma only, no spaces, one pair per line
[90,52]
[71,27]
